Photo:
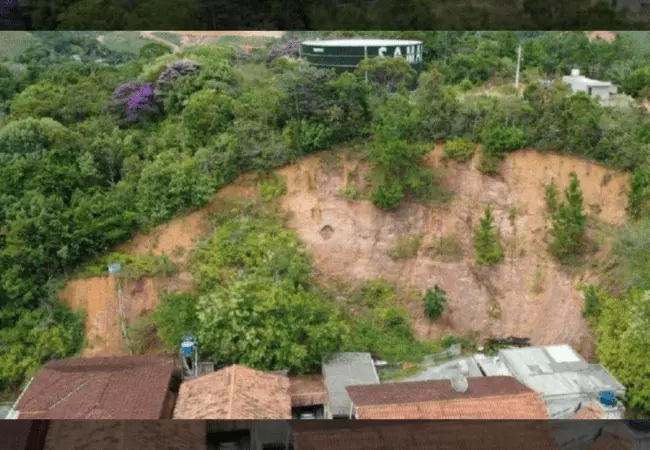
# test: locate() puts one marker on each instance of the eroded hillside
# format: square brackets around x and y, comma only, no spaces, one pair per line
[527,295]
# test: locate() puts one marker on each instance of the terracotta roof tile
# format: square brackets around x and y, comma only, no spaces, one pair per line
[308,390]
[126,387]
[423,435]
[235,392]
[485,398]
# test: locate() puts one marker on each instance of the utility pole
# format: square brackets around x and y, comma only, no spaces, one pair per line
[518,66]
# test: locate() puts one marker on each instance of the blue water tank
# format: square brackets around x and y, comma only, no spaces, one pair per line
[187,348]
[608,398]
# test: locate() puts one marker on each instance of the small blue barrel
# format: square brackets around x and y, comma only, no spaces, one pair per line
[608,398]
[188,344]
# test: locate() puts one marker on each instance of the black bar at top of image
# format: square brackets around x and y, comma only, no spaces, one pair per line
[321,15]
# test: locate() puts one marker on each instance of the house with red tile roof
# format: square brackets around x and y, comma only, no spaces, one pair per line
[308,396]
[498,397]
[422,435]
[125,387]
[235,393]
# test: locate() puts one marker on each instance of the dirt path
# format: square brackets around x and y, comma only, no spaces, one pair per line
[150,35]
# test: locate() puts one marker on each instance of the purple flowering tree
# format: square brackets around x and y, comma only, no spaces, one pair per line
[134,102]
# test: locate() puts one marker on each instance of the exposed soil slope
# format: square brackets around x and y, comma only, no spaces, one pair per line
[352,240]
[527,295]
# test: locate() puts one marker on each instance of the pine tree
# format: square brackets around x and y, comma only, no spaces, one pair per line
[486,241]
[569,223]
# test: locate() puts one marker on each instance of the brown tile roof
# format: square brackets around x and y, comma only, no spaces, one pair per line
[486,398]
[423,435]
[126,435]
[589,412]
[308,390]
[125,387]
[235,392]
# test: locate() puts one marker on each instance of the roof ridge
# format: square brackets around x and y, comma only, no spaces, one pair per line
[231,391]
[383,405]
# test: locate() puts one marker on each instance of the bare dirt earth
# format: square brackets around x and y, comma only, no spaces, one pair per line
[535,299]
[98,295]
[608,36]
[526,296]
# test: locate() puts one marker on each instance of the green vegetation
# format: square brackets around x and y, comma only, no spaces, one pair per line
[272,187]
[486,240]
[405,247]
[623,343]
[446,249]
[538,283]
[459,149]
[101,139]
[434,302]
[551,198]
[133,267]
[569,223]
[253,275]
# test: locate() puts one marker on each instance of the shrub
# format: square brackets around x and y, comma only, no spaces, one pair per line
[405,247]
[592,301]
[273,187]
[459,149]
[486,241]
[175,316]
[133,267]
[434,302]
[638,196]
[447,249]
[551,197]
[569,222]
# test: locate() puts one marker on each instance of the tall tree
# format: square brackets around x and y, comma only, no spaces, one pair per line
[486,240]
[569,223]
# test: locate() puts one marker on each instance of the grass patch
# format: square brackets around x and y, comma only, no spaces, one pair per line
[489,165]
[405,247]
[133,267]
[512,215]
[446,249]
[538,282]
[124,41]
[352,189]
[272,187]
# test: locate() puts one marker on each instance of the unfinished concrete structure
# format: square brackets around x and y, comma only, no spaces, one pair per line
[603,91]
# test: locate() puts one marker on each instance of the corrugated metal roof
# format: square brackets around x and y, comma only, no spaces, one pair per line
[343,370]
[586,81]
[4,411]
[557,371]
[492,365]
